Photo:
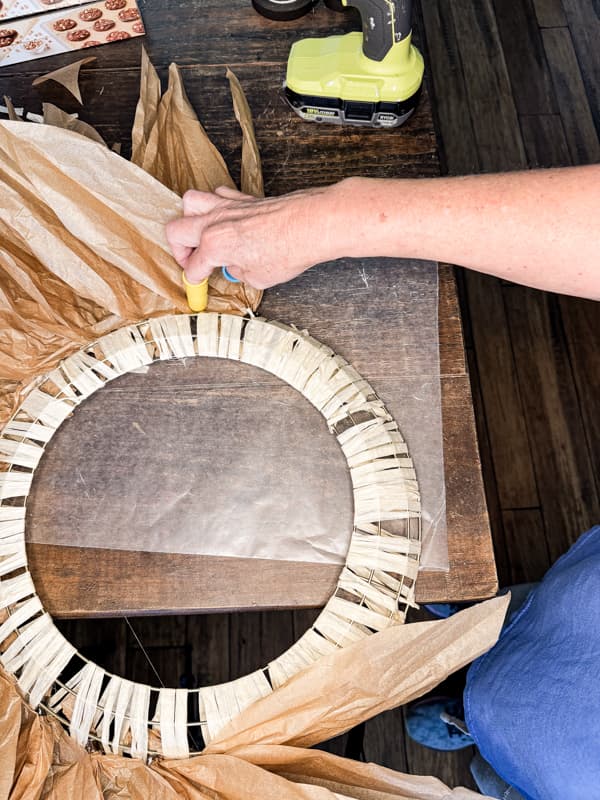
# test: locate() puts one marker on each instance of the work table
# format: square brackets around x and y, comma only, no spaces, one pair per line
[202,38]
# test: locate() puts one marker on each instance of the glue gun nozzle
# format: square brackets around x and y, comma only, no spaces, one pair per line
[196,293]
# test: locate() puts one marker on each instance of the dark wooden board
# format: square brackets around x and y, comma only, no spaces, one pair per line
[581,134]
[501,555]
[529,75]
[450,94]
[493,112]
[549,13]
[555,427]
[506,426]
[526,543]
[149,631]
[544,139]
[208,637]
[583,17]
[157,666]
[105,643]
[257,638]
[384,740]
[581,326]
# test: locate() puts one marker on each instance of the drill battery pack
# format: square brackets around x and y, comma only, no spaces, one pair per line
[352,112]
[331,80]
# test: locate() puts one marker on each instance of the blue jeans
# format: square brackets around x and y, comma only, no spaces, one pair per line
[490,783]
[487,779]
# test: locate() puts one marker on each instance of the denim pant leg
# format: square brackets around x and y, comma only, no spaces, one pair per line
[487,779]
[518,595]
[490,783]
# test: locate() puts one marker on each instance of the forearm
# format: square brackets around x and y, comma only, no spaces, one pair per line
[539,228]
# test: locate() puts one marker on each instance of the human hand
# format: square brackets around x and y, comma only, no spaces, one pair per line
[262,242]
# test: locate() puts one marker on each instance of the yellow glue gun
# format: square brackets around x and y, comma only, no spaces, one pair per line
[197,293]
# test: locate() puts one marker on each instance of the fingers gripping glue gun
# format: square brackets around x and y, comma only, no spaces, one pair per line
[371,78]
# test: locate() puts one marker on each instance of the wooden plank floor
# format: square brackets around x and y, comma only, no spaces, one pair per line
[515,84]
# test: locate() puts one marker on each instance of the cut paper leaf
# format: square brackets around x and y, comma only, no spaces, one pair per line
[169,142]
[386,670]
[178,152]
[53,115]
[146,110]
[251,176]
[10,110]
[67,76]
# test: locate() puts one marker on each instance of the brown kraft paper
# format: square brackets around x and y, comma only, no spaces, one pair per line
[82,231]
[262,753]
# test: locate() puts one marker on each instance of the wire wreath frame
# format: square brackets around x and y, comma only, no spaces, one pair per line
[374,590]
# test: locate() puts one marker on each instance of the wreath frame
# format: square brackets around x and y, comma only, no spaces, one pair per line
[375,587]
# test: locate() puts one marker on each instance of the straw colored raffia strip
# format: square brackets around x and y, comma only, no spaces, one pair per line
[375,587]
[172,711]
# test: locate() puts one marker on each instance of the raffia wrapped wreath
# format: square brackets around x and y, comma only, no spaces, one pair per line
[375,587]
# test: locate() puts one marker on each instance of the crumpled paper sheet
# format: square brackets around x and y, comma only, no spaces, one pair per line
[82,242]
[169,142]
[83,248]
[262,753]
[53,115]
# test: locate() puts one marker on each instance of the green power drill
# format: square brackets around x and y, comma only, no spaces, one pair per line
[371,78]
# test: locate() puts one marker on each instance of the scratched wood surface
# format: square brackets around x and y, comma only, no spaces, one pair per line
[76,582]
[534,357]
[515,85]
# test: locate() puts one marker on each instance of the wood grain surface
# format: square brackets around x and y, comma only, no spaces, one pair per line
[103,582]
[533,357]
[465,107]
[75,582]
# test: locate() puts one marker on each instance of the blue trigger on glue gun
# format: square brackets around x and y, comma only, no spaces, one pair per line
[228,276]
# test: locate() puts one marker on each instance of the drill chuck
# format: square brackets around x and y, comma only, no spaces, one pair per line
[384,23]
